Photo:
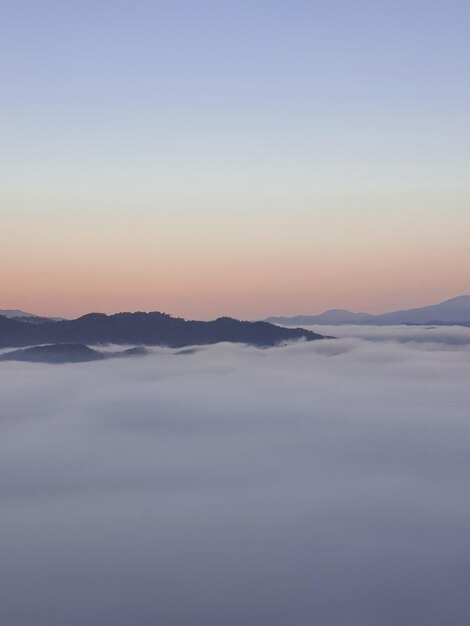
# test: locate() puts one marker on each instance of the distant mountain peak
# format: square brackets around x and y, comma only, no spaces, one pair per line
[453,311]
[15,313]
[457,300]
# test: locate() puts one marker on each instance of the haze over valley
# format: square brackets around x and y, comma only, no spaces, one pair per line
[252,483]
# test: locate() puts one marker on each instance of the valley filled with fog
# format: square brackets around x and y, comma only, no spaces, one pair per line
[323,482]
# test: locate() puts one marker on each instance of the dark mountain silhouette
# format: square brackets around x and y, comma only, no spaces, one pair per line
[66,353]
[146,329]
[62,353]
[453,311]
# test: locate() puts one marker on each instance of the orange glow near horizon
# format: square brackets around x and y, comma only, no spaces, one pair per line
[243,264]
[238,280]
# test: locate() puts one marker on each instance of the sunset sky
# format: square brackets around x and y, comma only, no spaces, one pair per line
[244,158]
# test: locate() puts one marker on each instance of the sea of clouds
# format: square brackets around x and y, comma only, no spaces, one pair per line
[318,484]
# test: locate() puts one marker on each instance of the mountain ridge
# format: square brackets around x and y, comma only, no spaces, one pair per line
[452,311]
[154,328]
[66,353]
[12,313]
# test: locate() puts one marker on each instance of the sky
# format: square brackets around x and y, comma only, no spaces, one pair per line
[233,158]
[325,482]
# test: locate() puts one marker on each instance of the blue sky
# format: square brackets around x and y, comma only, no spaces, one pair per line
[337,113]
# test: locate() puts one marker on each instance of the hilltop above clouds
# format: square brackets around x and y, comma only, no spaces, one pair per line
[146,329]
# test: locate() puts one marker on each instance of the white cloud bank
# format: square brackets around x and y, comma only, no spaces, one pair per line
[323,484]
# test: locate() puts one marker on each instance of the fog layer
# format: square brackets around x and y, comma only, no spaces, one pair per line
[323,483]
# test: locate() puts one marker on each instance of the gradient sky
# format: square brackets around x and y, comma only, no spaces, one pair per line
[233,158]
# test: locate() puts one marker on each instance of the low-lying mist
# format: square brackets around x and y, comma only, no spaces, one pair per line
[322,483]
